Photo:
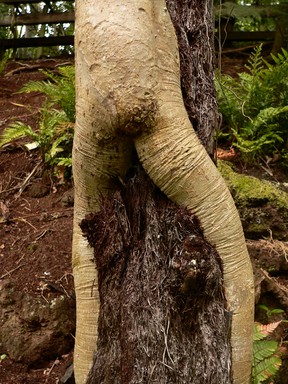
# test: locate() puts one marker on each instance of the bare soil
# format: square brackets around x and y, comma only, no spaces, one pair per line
[35,217]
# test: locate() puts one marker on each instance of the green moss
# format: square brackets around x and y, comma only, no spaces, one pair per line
[250,191]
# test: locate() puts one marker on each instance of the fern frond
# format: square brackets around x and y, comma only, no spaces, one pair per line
[52,118]
[59,89]
[65,161]
[263,349]
[17,131]
[280,58]
[56,148]
[255,62]
[267,115]
[54,151]
[266,353]
[266,368]
[45,87]
[267,329]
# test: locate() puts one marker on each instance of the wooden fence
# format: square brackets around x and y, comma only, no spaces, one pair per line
[36,18]
[51,17]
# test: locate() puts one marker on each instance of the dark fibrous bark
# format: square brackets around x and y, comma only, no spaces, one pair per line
[162,309]
[194,26]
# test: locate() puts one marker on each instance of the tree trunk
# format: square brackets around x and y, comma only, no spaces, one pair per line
[162,316]
[129,95]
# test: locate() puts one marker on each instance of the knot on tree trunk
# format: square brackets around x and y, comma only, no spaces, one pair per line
[137,117]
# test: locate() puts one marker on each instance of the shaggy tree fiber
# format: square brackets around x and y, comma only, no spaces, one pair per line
[194,27]
[162,309]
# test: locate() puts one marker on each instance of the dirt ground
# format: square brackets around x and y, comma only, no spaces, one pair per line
[35,217]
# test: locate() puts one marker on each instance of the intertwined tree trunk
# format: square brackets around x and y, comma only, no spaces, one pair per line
[157,310]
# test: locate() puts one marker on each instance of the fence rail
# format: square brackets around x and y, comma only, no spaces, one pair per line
[37,18]
[36,42]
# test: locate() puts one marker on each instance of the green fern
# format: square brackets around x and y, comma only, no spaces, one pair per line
[266,368]
[7,55]
[262,135]
[255,107]
[65,161]
[281,57]
[15,131]
[266,353]
[255,62]
[54,135]
[60,89]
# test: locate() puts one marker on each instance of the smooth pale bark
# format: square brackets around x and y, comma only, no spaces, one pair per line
[97,158]
[127,79]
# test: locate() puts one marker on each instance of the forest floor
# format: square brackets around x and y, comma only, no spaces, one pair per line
[36,215]
[36,220]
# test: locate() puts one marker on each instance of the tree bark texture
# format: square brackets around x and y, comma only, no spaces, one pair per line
[194,26]
[129,97]
[163,317]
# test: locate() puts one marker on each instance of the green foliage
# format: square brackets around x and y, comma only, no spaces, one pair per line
[53,138]
[5,32]
[249,15]
[60,89]
[6,57]
[270,312]
[266,353]
[237,11]
[255,107]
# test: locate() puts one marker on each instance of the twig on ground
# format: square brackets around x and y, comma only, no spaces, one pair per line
[49,370]
[26,181]
[280,292]
[25,68]
[24,221]
[42,234]
[11,271]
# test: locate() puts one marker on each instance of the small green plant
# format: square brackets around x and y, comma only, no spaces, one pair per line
[54,136]
[59,89]
[266,353]
[7,55]
[270,312]
[254,107]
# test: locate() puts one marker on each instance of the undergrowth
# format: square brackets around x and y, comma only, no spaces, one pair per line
[266,353]
[59,88]
[54,134]
[7,55]
[254,108]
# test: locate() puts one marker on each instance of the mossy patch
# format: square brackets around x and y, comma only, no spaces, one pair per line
[263,208]
[250,191]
